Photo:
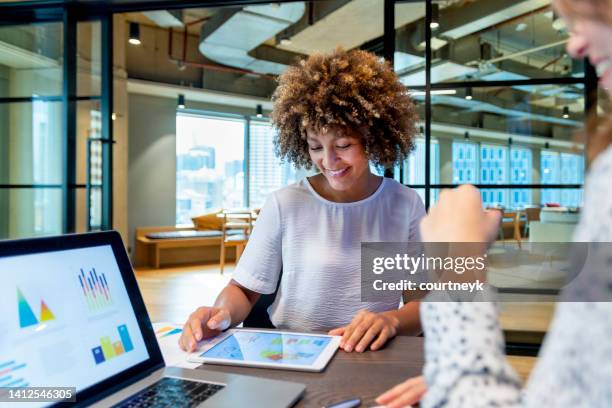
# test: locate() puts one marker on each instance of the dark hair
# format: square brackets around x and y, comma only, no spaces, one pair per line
[351,90]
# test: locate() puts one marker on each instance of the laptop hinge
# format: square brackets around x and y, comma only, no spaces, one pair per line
[124,384]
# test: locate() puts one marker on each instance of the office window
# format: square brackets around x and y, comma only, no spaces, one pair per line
[465,163]
[96,162]
[414,166]
[572,172]
[550,164]
[377,170]
[45,153]
[562,168]
[520,173]
[209,165]
[266,172]
[493,165]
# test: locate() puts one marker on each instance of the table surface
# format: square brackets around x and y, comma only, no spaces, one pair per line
[349,375]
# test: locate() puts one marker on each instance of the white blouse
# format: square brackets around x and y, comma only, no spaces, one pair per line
[317,243]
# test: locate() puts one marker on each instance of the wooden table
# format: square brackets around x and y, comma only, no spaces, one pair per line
[348,375]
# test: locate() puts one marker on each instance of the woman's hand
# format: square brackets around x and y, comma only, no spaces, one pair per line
[405,394]
[367,329]
[203,323]
[458,217]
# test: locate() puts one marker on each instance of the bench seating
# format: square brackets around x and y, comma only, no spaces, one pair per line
[156,244]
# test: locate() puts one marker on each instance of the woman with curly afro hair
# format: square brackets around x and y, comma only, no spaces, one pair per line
[336,112]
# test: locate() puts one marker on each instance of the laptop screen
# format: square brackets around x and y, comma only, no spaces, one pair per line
[67,319]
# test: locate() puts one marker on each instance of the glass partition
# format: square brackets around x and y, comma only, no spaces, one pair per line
[31,129]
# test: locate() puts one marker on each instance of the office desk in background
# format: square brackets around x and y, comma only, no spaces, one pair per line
[348,375]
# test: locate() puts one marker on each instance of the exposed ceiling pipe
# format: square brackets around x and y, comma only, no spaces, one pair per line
[453,129]
[519,53]
[486,107]
[512,20]
[199,20]
[482,14]
[225,68]
[551,62]
[210,66]
[230,35]
[165,18]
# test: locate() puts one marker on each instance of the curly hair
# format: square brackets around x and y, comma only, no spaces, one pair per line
[350,90]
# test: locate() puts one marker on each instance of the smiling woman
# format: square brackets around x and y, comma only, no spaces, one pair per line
[350,91]
[341,158]
[337,112]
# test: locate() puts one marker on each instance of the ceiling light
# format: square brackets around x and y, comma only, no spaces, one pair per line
[565,112]
[435,16]
[468,93]
[284,39]
[259,111]
[134,38]
[558,23]
[181,101]
[435,92]
[521,27]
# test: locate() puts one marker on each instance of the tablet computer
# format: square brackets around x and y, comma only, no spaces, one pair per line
[270,349]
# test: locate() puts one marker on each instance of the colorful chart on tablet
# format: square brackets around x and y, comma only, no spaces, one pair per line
[269,348]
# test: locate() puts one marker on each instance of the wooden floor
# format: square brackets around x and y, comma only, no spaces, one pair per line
[172,293]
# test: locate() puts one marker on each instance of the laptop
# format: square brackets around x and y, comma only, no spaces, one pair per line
[72,316]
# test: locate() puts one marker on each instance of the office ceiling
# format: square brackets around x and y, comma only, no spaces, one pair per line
[509,28]
[476,40]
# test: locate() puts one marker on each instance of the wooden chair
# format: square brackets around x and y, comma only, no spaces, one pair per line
[500,233]
[531,214]
[235,220]
[509,219]
[514,219]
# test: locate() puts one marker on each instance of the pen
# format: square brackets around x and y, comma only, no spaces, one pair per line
[349,403]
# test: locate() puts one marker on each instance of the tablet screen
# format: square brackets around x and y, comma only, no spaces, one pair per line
[294,349]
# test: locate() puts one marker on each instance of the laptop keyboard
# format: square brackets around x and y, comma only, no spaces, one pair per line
[171,392]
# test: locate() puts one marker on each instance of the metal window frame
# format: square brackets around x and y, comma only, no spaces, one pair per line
[589,80]
[69,93]
[70,14]
[80,10]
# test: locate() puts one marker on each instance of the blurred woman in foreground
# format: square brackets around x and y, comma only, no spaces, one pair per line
[464,347]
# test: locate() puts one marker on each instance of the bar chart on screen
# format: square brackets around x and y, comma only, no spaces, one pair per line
[10,374]
[109,349]
[95,289]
